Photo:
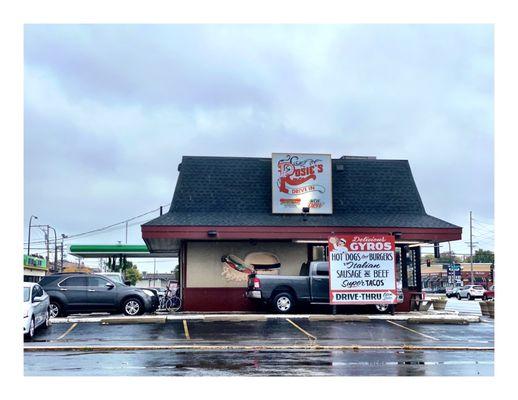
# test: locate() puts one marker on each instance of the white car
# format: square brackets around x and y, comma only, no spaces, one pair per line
[35,308]
[470,292]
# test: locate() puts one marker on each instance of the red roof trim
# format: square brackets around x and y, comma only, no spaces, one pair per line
[293,232]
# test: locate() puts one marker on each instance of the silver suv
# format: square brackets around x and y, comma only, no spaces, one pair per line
[470,292]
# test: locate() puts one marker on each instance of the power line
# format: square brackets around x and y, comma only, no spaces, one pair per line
[483,228]
[105,229]
[481,219]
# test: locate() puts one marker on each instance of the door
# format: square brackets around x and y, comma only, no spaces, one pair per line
[101,296]
[319,281]
[38,307]
[75,291]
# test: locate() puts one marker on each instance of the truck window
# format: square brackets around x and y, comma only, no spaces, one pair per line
[304,269]
[322,269]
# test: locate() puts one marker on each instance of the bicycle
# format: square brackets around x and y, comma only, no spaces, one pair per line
[170,301]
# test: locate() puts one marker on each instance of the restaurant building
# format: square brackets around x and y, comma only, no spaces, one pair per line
[277,214]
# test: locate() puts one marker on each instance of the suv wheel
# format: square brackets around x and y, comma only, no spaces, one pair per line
[283,303]
[469,297]
[132,307]
[459,296]
[56,309]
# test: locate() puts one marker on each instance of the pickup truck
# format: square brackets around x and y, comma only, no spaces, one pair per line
[283,293]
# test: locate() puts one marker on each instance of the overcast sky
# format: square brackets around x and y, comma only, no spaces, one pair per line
[111,109]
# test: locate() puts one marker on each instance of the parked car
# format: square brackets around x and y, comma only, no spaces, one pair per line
[470,292]
[489,293]
[114,276]
[35,308]
[159,290]
[452,291]
[284,292]
[79,292]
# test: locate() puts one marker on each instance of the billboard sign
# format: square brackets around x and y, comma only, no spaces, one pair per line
[362,269]
[299,181]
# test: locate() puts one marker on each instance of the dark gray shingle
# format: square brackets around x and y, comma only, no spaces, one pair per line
[236,191]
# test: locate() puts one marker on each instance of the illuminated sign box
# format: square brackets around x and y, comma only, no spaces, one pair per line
[301,181]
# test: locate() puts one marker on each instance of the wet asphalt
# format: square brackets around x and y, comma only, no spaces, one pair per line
[179,362]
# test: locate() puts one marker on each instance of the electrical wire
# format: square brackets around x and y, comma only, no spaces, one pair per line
[105,229]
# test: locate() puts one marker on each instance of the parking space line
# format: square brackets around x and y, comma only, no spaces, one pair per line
[186,330]
[67,331]
[411,330]
[309,335]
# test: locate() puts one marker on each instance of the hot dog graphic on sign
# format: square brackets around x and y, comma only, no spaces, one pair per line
[300,181]
[362,269]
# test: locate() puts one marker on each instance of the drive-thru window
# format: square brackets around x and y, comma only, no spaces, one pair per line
[232,215]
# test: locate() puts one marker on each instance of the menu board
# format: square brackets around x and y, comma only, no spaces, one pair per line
[362,269]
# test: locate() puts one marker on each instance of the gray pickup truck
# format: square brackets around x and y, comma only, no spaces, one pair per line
[283,293]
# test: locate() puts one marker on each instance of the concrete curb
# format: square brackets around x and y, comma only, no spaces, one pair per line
[309,347]
[134,320]
[411,317]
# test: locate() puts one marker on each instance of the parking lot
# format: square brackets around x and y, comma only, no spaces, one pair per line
[281,346]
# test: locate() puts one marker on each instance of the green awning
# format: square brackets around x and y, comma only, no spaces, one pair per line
[113,250]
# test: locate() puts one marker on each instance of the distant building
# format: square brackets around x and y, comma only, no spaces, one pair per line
[155,280]
[34,268]
[436,275]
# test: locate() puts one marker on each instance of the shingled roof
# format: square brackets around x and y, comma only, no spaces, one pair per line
[237,191]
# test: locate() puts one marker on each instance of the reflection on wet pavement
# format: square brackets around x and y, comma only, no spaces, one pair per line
[265,363]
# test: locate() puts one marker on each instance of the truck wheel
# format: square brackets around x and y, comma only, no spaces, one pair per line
[283,303]
[382,308]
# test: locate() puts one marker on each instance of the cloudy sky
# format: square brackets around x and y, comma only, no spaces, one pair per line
[110,110]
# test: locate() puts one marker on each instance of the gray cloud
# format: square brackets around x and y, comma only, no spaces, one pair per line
[110,110]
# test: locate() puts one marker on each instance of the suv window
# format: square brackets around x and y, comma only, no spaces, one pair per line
[74,281]
[478,287]
[96,281]
[47,280]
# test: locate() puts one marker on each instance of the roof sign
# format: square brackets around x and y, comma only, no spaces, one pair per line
[301,181]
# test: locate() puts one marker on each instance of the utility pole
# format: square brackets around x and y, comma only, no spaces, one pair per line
[471,243]
[62,245]
[55,247]
[126,232]
[47,243]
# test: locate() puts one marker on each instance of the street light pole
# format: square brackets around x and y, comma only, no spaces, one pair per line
[29,238]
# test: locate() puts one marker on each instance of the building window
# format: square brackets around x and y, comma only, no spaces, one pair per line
[317,252]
